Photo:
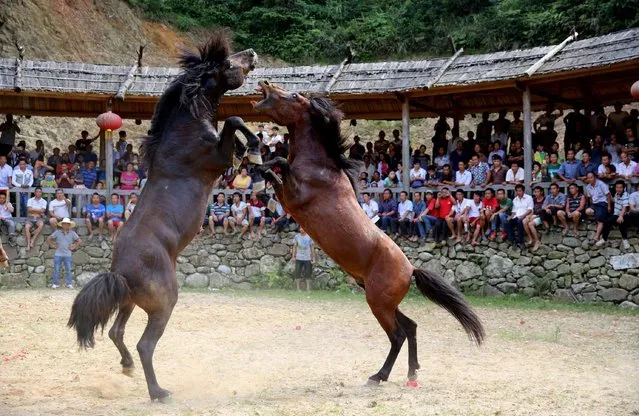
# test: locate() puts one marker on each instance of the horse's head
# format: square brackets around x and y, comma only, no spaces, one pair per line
[283,107]
[214,71]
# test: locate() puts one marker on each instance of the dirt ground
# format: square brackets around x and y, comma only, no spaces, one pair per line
[241,354]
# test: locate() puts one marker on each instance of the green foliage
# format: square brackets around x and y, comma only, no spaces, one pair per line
[273,281]
[310,31]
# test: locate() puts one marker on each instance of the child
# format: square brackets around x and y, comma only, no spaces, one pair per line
[540,154]
[66,241]
[304,257]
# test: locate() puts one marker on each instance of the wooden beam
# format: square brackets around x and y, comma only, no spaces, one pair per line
[550,97]
[554,51]
[130,77]
[528,155]
[427,108]
[444,68]
[335,76]
[18,80]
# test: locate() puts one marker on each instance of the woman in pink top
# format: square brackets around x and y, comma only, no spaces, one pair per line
[129,179]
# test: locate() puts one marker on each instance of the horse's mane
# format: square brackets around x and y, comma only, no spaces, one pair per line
[186,90]
[326,118]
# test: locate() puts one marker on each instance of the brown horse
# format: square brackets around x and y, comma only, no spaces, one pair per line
[185,155]
[317,189]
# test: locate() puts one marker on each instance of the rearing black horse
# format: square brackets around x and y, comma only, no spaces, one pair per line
[185,155]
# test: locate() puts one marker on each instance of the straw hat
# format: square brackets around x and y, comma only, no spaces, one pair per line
[66,221]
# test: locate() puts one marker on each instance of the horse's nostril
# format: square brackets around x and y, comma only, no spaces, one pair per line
[266,83]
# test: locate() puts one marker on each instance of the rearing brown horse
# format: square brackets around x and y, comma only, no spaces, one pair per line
[317,189]
[185,155]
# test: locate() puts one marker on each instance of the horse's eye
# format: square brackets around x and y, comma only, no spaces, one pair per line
[294,95]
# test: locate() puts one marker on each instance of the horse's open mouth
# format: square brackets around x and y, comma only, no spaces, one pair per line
[262,88]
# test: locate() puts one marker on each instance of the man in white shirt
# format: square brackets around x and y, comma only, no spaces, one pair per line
[405,214]
[6,173]
[627,167]
[472,221]
[600,202]
[274,139]
[514,174]
[522,207]
[459,213]
[462,176]
[633,210]
[59,208]
[22,177]
[6,214]
[417,175]
[36,208]
[369,206]
[239,214]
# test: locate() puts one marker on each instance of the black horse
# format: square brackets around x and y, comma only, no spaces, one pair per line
[185,155]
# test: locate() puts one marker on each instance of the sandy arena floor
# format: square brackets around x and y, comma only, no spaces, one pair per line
[225,354]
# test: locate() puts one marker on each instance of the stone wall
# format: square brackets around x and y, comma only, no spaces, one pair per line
[565,267]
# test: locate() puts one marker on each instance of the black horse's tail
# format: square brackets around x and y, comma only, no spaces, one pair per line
[435,288]
[94,305]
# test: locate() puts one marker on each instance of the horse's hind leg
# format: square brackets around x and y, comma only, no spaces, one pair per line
[146,346]
[387,317]
[410,329]
[116,333]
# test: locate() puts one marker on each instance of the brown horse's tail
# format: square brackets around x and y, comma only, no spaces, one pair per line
[94,305]
[435,288]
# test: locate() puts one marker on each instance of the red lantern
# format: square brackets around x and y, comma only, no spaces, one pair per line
[634,90]
[109,121]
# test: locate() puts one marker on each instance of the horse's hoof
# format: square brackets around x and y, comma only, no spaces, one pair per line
[166,399]
[412,383]
[162,396]
[371,382]
[127,371]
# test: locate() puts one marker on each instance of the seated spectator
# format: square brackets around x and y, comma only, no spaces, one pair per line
[579,152]
[457,216]
[443,207]
[447,177]
[243,180]
[65,178]
[600,203]
[586,166]
[569,170]
[613,148]
[501,216]
[514,174]
[596,150]
[516,153]
[496,151]
[477,150]
[421,156]
[6,214]
[90,156]
[575,207]
[218,214]
[404,214]
[89,175]
[239,214]
[369,167]
[540,154]
[392,181]
[71,153]
[497,172]
[554,148]
[603,171]
[64,160]
[537,174]
[59,208]
[126,157]
[383,166]
[633,207]
[388,212]
[522,207]
[39,172]
[631,145]
[36,210]
[115,216]
[418,207]
[432,177]
[417,176]
[553,167]
[129,179]
[281,219]
[626,168]
[473,222]
[621,206]
[96,215]
[256,216]
[48,180]
[441,159]
[376,181]
[425,216]
[553,208]
[479,171]
[462,176]
[369,205]
[488,214]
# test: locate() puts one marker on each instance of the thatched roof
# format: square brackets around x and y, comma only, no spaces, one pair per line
[359,79]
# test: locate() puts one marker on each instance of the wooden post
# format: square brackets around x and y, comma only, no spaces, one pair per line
[102,147]
[109,163]
[528,154]
[406,144]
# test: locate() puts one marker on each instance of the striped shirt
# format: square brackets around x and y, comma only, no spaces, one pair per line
[574,203]
[219,210]
[621,202]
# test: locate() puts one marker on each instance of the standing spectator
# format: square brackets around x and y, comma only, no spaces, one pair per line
[516,153]
[115,216]
[534,220]
[598,120]
[569,170]
[457,216]
[218,214]
[627,167]
[490,205]
[89,175]
[631,146]
[65,178]
[370,152]
[586,166]
[261,133]
[129,179]
[603,171]
[484,130]
[553,208]
[473,222]
[496,150]
[405,214]
[479,171]
[368,167]
[421,156]
[304,256]
[369,206]
[388,212]
[243,180]
[544,126]
[72,154]
[6,214]
[357,150]
[273,139]
[6,173]
[96,214]
[36,209]
[522,207]
[596,150]
[554,148]
[59,208]
[443,206]
[397,142]
[40,172]
[91,156]
[616,120]
[497,172]
[256,216]
[8,131]
[441,129]
[55,159]
[239,214]
[441,159]
[577,127]
[458,155]
[514,174]
[516,130]
[502,127]
[83,143]
[540,154]
[462,176]
[620,209]
[37,154]
[417,176]
[120,145]
[600,203]
[22,178]
[381,144]
[553,167]
[614,149]
[575,207]
[66,241]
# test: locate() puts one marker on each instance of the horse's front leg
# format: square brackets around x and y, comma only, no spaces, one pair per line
[227,136]
[266,170]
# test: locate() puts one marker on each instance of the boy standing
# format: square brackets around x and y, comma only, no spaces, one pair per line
[304,257]
[66,240]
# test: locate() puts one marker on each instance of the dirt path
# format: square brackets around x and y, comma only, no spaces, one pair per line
[241,355]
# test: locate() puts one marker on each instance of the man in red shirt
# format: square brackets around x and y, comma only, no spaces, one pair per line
[491,205]
[443,205]
[497,174]
[257,216]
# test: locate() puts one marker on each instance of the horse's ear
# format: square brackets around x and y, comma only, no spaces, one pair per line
[318,108]
[217,49]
